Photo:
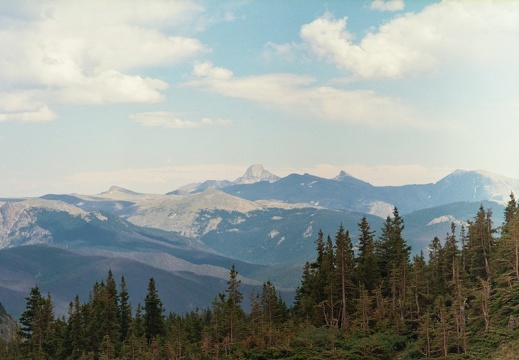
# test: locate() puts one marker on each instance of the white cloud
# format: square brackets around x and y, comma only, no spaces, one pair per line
[89,52]
[286,51]
[301,95]
[22,106]
[448,35]
[389,5]
[37,115]
[169,120]
[206,21]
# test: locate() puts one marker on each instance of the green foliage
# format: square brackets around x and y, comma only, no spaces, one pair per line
[154,324]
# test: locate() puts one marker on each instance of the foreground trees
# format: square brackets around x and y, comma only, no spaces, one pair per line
[369,301]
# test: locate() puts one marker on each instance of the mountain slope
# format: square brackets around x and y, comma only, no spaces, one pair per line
[8,326]
[65,273]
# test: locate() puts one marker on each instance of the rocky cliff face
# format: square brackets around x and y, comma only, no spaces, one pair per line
[254,174]
[8,326]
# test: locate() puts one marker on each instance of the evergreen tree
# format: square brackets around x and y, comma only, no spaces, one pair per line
[36,325]
[327,290]
[344,262]
[110,311]
[393,254]
[419,289]
[437,267]
[234,298]
[75,337]
[154,325]
[507,252]
[124,311]
[368,273]
[29,318]
[480,245]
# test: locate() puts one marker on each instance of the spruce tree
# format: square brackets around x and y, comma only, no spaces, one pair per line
[344,265]
[36,324]
[233,305]
[124,311]
[393,255]
[154,325]
[368,273]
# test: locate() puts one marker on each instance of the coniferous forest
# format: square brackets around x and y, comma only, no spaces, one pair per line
[362,298]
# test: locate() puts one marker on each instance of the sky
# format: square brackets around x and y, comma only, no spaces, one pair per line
[152,95]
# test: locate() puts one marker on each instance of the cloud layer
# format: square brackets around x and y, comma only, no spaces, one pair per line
[303,96]
[448,34]
[87,53]
[168,120]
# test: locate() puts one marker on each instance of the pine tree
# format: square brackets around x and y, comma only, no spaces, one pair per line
[507,252]
[76,336]
[368,273]
[480,245]
[313,295]
[393,254]
[110,311]
[437,267]
[234,311]
[154,325]
[344,263]
[124,311]
[30,316]
[37,325]
[419,288]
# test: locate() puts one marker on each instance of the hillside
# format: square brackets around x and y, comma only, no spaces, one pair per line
[65,273]
[8,326]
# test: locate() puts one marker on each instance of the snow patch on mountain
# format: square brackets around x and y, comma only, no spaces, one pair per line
[273,234]
[308,232]
[380,208]
[445,218]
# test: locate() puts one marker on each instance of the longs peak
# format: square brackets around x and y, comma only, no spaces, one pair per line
[256,173]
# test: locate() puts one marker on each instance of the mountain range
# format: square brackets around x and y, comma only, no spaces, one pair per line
[188,238]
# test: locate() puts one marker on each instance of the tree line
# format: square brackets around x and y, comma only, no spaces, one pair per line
[371,300]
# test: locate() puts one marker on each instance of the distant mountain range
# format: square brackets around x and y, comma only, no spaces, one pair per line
[348,193]
[255,173]
[188,239]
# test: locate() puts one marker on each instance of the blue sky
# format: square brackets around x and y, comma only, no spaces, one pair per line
[152,95]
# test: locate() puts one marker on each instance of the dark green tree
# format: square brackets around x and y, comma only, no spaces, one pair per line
[125,311]
[154,325]
[234,310]
[36,324]
[344,274]
[393,255]
[368,273]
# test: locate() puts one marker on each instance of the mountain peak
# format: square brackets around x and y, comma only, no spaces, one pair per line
[342,175]
[117,189]
[256,173]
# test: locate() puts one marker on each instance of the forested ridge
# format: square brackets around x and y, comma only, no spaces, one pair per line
[362,298]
